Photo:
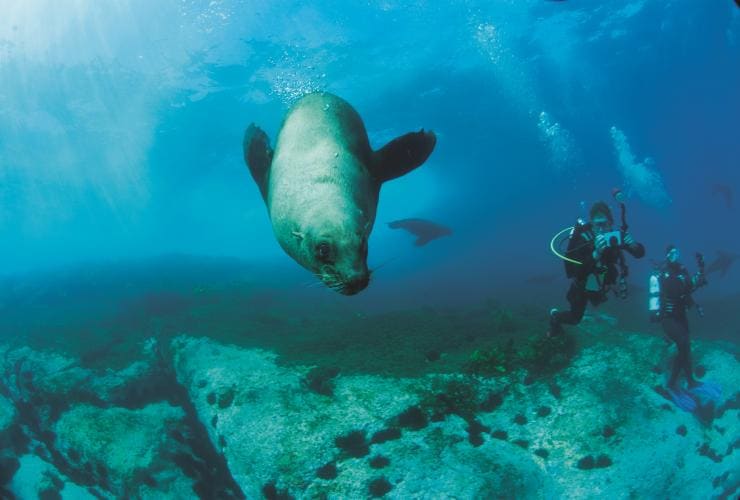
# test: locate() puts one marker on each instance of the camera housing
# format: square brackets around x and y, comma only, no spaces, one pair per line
[613,238]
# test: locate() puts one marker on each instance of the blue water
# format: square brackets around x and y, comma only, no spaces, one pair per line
[121,125]
[126,210]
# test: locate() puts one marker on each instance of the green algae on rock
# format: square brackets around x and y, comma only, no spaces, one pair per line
[126,441]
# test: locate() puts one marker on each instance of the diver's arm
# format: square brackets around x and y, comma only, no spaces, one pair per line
[636,250]
[689,287]
[698,280]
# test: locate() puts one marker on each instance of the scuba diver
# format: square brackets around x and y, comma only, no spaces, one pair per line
[671,287]
[594,261]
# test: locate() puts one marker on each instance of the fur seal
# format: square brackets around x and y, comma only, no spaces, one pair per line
[321,185]
[424,230]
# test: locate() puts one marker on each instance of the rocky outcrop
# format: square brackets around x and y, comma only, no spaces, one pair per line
[122,450]
[125,433]
[270,427]
[580,432]
[207,419]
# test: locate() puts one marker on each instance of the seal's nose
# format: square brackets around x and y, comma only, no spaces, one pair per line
[356,284]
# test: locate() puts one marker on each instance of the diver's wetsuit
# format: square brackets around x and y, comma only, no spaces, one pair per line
[591,279]
[676,287]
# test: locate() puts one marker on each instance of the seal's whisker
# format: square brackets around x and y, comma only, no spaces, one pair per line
[382,264]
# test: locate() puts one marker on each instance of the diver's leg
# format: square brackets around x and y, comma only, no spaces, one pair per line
[678,331]
[672,330]
[577,299]
[687,365]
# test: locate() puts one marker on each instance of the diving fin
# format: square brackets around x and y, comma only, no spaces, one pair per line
[683,399]
[707,391]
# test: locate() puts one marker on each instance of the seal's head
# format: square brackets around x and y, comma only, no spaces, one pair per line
[337,256]
[321,184]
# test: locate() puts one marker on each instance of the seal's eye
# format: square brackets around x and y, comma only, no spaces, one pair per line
[323,252]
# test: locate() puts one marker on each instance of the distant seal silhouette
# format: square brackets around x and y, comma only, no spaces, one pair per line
[321,185]
[724,191]
[722,263]
[424,230]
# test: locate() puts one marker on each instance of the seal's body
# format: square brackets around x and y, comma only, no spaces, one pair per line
[321,185]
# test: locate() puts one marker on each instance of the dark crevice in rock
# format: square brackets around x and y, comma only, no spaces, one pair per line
[706,451]
[35,428]
[730,404]
[5,494]
[155,387]
[38,410]
[206,466]
[8,468]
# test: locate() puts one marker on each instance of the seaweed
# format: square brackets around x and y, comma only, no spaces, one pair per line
[413,418]
[353,444]
[321,380]
[456,396]
[328,471]
[379,462]
[379,487]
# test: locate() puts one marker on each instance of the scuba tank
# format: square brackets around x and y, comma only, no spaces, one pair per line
[574,244]
[654,295]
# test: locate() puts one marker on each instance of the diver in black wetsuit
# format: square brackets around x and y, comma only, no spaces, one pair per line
[593,260]
[676,286]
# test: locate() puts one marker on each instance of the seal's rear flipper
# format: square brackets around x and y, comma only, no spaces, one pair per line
[402,155]
[258,156]
[422,240]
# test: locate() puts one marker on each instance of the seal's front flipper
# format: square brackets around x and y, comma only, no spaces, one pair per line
[258,156]
[402,155]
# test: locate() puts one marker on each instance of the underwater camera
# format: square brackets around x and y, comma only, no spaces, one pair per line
[613,238]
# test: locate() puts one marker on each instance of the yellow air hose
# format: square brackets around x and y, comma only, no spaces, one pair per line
[552,246]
